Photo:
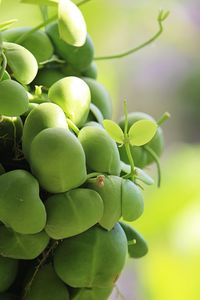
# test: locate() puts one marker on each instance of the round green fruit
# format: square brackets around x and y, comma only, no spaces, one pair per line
[8,272]
[94,258]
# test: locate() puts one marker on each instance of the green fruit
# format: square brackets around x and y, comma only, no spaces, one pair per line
[47,286]
[13,98]
[20,205]
[8,272]
[91,294]
[100,97]
[45,115]
[36,42]
[141,157]
[57,160]
[11,129]
[5,76]
[21,62]
[31,106]
[72,213]
[48,77]
[92,259]
[22,246]
[79,57]
[91,71]
[71,23]
[132,201]
[138,247]
[101,151]
[73,95]
[110,192]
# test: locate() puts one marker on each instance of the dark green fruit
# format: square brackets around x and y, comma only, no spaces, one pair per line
[94,258]
[137,246]
[20,205]
[36,42]
[21,62]
[57,160]
[91,294]
[73,212]
[91,71]
[45,115]
[73,95]
[47,77]
[8,272]
[100,97]
[141,157]
[47,286]
[22,246]
[79,57]
[11,129]
[13,98]
[101,151]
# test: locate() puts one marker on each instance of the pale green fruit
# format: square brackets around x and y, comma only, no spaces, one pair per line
[47,286]
[20,205]
[57,160]
[94,258]
[13,98]
[101,151]
[73,95]
[22,246]
[132,201]
[45,115]
[21,62]
[35,42]
[8,272]
[110,192]
[73,212]
[100,97]
[71,24]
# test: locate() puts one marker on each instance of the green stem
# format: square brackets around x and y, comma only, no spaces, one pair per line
[72,126]
[156,159]
[161,17]
[24,36]
[163,118]
[4,64]
[130,158]
[83,2]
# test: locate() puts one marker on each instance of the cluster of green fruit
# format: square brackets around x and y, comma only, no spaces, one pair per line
[65,182]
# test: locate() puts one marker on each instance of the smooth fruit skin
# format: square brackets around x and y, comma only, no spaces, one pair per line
[94,258]
[8,272]
[32,41]
[71,23]
[13,98]
[20,205]
[101,151]
[79,57]
[73,95]
[100,97]
[57,160]
[141,157]
[47,77]
[91,71]
[47,286]
[139,248]
[21,62]
[22,246]
[45,115]
[73,212]
[110,193]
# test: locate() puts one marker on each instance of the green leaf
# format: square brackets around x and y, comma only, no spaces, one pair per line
[114,131]
[141,132]
[143,176]
[40,2]
[71,24]
[7,24]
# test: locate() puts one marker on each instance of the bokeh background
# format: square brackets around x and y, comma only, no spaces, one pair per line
[164,76]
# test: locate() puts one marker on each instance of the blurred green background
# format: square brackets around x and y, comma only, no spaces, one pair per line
[164,76]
